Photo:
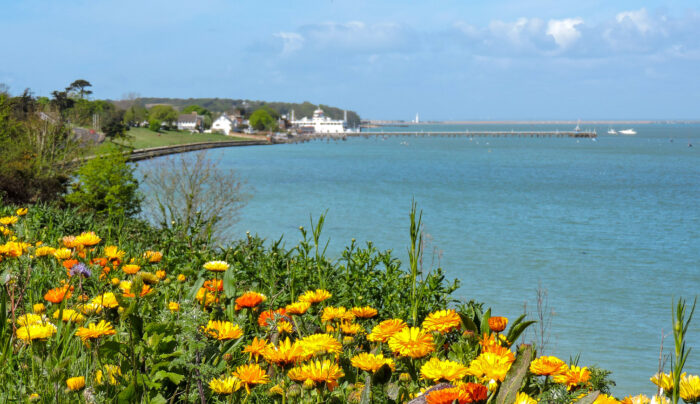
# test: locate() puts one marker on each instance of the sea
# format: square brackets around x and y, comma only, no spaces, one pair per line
[608,229]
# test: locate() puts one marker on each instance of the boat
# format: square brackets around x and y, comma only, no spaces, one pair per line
[611,131]
[628,132]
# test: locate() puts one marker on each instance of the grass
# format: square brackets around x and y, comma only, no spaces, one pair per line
[142,138]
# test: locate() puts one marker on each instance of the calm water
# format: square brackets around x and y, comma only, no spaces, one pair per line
[611,229]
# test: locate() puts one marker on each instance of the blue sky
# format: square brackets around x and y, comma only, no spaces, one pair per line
[500,59]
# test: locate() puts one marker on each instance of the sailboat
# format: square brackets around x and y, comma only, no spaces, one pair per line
[578,126]
[628,132]
[611,131]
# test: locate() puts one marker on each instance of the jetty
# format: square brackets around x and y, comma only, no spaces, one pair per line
[471,134]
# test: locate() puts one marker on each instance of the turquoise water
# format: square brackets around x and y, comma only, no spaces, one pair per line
[611,229]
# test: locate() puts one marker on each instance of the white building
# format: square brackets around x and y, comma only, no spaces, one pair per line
[319,123]
[224,124]
[191,122]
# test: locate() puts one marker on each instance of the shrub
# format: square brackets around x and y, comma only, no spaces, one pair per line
[154,125]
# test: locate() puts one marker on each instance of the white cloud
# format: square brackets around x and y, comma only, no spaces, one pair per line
[638,18]
[564,31]
[292,42]
[519,32]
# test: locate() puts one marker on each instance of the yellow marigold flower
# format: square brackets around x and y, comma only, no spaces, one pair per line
[174,306]
[34,397]
[87,239]
[12,249]
[63,253]
[498,324]
[34,331]
[203,294]
[130,269]
[412,342]
[69,316]
[112,372]
[181,278]
[216,266]
[489,367]
[386,329]
[113,253]
[106,300]
[336,313]
[442,321]
[320,343]
[276,389]
[315,296]
[371,362]
[351,329]
[29,318]
[160,274]
[664,381]
[639,399]
[250,375]
[115,281]
[573,376]
[225,385]
[285,326]
[94,331]
[298,308]
[364,312]
[283,354]
[125,286]
[69,242]
[39,308]
[223,330]
[523,398]
[443,370]
[256,347]
[5,232]
[318,372]
[153,256]
[8,220]
[249,300]
[606,399]
[44,251]
[690,388]
[548,366]
[76,383]
[21,211]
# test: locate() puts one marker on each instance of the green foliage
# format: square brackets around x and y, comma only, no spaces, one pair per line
[135,114]
[113,126]
[154,124]
[79,88]
[196,108]
[263,119]
[164,113]
[106,185]
[680,329]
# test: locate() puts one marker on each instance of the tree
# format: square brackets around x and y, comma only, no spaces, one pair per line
[163,113]
[154,124]
[107,185]
[61,101]
[113,125]
[79,87]
[135,114]
[262,119]
[200,111]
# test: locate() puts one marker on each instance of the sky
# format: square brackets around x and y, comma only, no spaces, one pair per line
[385,59]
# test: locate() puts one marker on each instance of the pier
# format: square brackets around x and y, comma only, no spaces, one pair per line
[492,133]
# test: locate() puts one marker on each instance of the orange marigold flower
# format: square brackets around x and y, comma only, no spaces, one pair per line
[69,242]
[130,269]
[364,312]
[351,329]
[282,355]
[297,308]
[465,393]
[315,296]
[160,274]
[498,324]
[384,330]
[68,264]
[412,342]
[336,313]
[267,317]
[203,294]
[249,300]
[606,399]
[548,366]
[320,343]
[250,375]
[442,321]
[76,383]
[57,295]
[214,285]
[93,331]
[99,261]
[153,256]
[573,377]
[285,327]
[256,348]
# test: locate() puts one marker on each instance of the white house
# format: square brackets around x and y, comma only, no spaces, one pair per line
[191,122]
[224,124]
[319,123]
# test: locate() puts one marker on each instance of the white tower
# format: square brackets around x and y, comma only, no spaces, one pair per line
[417,118]
[345,115]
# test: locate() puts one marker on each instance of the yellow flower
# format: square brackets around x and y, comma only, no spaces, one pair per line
[34,397]
[442,321]
[606,399]
[39,308]
[76,383]
[446,371]
[87,239]
[285,326]
[573,376]
[523,398]
[548,366]
[490,367]
[29,318]
[21,211]
[639,399]
[351,329]
[225,385]
[63,253]
[5,232]
[320,343]
[106,300]
[250,375]
[115,281]
[181,278]
[690,388]
[336,313]
[412,342]
[174,306]
[69,316]
[223,330]
[364,312]
[93,331]
[282,355]
[257,347]
[153,256]
[316,296]
[113,253]
[297,308]
[36,331]
[216,266]
[69,242]
[131,269]
[44,251]
[8,220]
[371,362]
[664,381]
[112,372]
[318,372]
[386,329]
[203,294]
[160,274]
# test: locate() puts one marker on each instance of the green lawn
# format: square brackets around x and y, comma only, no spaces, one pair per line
[141,138]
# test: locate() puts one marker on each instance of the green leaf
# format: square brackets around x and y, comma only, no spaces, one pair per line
[109,349]
[366,392]
[195,288]
[176,378]
[229,284]
[485,322]
[126,395]
[515,376]
[467,323]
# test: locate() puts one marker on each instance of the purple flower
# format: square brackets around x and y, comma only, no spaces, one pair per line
[80,269]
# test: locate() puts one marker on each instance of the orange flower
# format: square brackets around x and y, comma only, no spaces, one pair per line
[131,269]
[442,321]
[573,376]
[412,342]
[56,295]
[68,264]
[214,285]
[364,312]
[316,296]
[268,316]
[465,393]
[251,375]
[384,330]
[297,308]
[256,347]
[336,313]
[99,261]
[249,300]
[153,256]
[498,324]
[548,366]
